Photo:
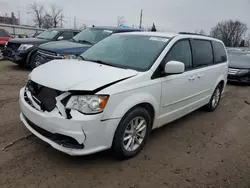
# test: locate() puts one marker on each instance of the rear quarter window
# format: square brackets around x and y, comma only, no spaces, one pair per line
[3,33]
[220,55]
[202,53]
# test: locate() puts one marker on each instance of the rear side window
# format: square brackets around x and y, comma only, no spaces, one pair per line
[202,53]
[219,52]
[181,51]
[3,33]
[67,35]
[75,33]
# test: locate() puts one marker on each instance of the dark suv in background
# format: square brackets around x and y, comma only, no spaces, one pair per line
[76,46]
[22,51]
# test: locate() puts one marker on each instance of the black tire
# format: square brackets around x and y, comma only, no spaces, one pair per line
[32,63]
[210,107]
[1,53]
[118,147]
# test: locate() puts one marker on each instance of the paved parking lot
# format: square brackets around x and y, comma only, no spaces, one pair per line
[200,150]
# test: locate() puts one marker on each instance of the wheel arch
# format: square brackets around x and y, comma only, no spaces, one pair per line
[32,52]
[144,100]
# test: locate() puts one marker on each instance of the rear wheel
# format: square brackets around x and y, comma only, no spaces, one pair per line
[215,99]
[132,133]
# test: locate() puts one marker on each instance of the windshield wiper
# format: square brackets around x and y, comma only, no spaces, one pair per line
[81,57]
[84,41]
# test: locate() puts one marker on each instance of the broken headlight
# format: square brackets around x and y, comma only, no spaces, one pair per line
[88,104]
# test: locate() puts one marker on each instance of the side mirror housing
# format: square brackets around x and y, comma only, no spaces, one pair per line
[174,67]
[60,38]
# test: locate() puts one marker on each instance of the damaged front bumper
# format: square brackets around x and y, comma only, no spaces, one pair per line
[79,135]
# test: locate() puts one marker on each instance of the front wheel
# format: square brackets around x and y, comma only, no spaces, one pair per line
[132,133]
[215,99]
[33,62]
[1,53]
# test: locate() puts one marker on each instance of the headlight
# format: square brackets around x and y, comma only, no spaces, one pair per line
[243,71]
[24,47]
[69,56]
[88,104]
[6,44]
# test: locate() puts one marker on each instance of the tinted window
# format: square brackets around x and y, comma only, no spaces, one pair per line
[67,35]
[219,52]
[48,34]
[92,35]
[3,33]
[129,51]
[181,52]
[202,52]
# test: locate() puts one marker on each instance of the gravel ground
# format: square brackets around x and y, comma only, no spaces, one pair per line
[200,150]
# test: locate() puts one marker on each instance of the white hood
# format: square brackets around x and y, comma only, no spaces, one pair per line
[65,75]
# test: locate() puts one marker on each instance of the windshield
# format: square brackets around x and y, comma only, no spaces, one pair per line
[92,35]
[129,51]
[48,34]
[239,58]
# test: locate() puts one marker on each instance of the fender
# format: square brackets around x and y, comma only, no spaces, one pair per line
[219,79]
[129,102]
[30,54]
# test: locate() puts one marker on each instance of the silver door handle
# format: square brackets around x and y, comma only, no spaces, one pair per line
[200,75]
[191,78]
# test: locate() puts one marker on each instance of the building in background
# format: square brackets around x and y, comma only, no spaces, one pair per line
[9,20]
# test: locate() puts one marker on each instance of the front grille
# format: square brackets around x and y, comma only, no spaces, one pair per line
[13,46]
[233,71]
[46,96]
[46,56]
[60,139]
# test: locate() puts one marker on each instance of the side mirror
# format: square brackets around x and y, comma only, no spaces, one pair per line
[174,67]
[60,38]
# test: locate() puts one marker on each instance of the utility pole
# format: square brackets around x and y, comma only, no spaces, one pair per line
[74,22]
[61,20]
[140,19]
[19,18]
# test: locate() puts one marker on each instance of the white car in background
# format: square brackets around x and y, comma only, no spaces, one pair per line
[121,89]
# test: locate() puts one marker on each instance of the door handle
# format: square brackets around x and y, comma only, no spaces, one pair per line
[200,75]
[191,78]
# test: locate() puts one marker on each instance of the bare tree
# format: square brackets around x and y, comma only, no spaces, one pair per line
[56,15]
[230,32]
[37,12]
[120,21]
[47,22]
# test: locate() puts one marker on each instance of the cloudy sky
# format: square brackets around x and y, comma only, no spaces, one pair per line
[170,15]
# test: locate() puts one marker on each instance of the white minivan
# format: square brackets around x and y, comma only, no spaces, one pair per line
[122,88]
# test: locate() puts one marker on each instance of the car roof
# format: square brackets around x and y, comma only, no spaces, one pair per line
[171,35]
[153,34]
[62,29]
[115,29]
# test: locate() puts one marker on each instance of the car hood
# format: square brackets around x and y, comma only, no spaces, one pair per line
[65,47]
[65,75]
[240,61]
[28,40]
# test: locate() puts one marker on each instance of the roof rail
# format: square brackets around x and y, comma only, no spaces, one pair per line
[189,33]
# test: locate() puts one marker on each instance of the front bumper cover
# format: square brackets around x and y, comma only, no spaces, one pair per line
[88,130]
